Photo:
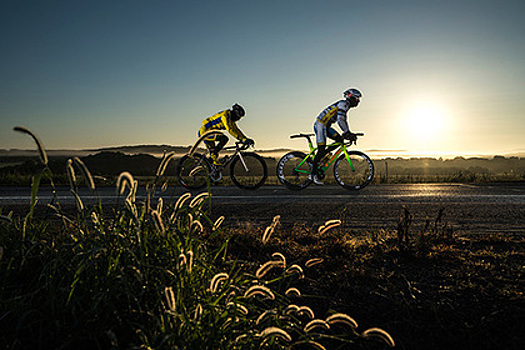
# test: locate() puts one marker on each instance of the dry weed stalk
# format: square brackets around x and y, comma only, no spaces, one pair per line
[39,144]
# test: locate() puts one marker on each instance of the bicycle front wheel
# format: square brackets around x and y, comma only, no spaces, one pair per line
[248,171]
[194,171]
[293,171]
[355,172]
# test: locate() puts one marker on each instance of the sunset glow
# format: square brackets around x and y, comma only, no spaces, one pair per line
[426,122]
[433,82]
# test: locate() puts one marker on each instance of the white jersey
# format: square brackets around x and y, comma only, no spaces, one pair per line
[335,112]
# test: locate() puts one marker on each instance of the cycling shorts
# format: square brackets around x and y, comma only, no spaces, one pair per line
[322,132]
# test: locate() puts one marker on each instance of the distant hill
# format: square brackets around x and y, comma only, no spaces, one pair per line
[156,150]
[153,150]
[159,150]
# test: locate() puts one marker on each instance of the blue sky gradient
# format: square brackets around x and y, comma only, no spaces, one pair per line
[86,74]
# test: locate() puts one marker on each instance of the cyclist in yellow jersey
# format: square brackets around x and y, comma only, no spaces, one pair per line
[225,120]
[322,126]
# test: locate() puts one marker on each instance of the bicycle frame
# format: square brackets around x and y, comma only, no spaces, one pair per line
[341,148]
[237,153]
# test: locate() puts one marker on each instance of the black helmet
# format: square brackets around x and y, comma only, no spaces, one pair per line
[353,96]
[237,112]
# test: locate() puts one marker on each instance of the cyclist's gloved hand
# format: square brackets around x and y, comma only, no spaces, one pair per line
[248,142]
[350,136]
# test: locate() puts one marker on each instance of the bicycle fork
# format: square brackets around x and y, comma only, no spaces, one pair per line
[243,163]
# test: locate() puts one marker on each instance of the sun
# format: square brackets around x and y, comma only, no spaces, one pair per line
[426,122]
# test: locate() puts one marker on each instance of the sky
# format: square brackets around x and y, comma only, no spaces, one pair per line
[437,77]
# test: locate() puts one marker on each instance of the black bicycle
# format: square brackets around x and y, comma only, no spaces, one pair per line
[248,170]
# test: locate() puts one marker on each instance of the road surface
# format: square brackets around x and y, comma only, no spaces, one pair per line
[485,208]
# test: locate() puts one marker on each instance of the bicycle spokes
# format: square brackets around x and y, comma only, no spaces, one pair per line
[354,170]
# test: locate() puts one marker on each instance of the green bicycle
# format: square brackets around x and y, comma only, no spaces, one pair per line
[353,170]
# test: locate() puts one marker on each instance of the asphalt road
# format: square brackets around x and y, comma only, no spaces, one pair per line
[485,208]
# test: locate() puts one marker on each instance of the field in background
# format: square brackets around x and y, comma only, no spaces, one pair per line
[16,167]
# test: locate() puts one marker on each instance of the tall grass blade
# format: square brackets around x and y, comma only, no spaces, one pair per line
[40,145]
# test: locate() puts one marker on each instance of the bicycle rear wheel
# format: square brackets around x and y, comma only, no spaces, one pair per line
[250,172]
[356,173]
[194,171]
[293,172]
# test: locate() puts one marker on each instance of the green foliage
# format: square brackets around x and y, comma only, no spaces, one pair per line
[141,275]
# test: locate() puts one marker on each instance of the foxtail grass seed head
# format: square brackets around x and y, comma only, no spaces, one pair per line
[309,344]
[170,298]
[269,230]
[313,325]
[279,257]
[241,338]
[216,281]
[292,292]
[343,319]
[306,311]
[39,144]
[123,180]
[78,202]
[329,225]
[295,269]
[265,315]
[195,171]
[291,309]
[95,219]
[199,199]
[85,172]
[159,224]
[198,312]
[263,291]
[380,334]
[200,139]
[232,295]
[239,307]
[266,267]
[313,262]
[196,226]
[160,205]
[218,223]
[275,332]
[180,201]
[71,174]
[133,191]
[164,164]
[131,207]
[182,261]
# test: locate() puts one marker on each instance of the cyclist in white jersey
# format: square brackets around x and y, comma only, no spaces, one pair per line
[336,112]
